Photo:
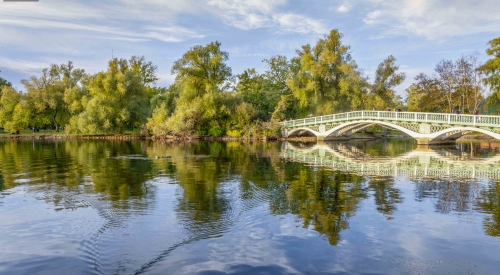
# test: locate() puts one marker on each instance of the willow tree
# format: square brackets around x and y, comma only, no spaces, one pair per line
[492,71]
[46,93]
[117,100]
[202,76]
[326,78]
[386,78]
[15,113]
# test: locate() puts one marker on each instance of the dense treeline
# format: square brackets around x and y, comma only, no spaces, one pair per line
[208,99]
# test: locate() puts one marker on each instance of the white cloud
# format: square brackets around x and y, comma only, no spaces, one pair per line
[22,65]
[253,14]
[298,24]
[434,19]
[124,19]
[344,8]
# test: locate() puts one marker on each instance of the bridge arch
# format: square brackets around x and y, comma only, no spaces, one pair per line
[368,123]
[298,131]
[458,132]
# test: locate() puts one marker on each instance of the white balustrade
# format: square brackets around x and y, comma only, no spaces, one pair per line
[413,117]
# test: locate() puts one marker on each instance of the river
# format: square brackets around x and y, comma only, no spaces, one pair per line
[143,207]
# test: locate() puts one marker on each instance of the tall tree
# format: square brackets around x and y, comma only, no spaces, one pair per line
[447,77]
[46,93]
[326,78]
[278,73]
[386,78]
[202,77]
[492,71]
[426,95]
[14,111]
[118,100]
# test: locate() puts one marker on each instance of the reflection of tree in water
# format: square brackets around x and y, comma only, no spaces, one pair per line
[386,194]
[452,196]
[58,167]
[323,199]
[490,204]
[385,147]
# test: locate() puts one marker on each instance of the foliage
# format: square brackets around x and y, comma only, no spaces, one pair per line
[14,111]
[206,99]
[492,71]
[382,95]
[118,100]
[454,86]
[326,79]
[4,82]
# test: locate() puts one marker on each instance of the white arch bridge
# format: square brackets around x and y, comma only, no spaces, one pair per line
[426,128]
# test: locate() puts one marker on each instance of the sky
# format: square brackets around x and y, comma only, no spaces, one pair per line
[418,33]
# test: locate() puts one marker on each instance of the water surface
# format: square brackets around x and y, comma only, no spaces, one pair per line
[370,207]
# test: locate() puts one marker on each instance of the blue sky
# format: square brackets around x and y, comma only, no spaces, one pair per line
[419,33]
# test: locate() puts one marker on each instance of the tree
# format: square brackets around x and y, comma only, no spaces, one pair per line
[446,75]
[278,73]
[4,82]
[146,69]
[202,77]
[492,71]
[326,79]
[162,106]
[386,78]
[118,100]
[46,93]
[14,112]
[426,95]
[469,83]
[258,92]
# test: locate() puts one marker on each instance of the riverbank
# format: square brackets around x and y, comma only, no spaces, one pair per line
[225,138]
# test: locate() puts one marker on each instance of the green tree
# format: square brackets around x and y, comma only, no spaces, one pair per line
[4,82]
[278,73]
[386,78]
[202,77]
[326,79]
[258,92]
[46,93]
[118,100]
[14,110]
[426,95]
[491,69]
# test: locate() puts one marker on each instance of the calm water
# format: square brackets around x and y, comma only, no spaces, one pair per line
[376,207]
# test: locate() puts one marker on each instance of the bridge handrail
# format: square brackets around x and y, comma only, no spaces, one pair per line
[418,117]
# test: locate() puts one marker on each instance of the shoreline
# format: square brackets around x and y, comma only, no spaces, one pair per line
[477,137]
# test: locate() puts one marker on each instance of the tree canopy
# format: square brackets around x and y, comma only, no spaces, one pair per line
[207,99]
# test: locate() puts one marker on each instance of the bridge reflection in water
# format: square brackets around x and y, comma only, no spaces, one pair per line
[438,162]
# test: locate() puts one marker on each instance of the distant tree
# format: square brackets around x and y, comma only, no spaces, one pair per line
[278,73]
[46,93]
[386,78]
[492,71]
[4,82]
[326,79]
[14,111]
[118,99]
[426,95]
[202,77]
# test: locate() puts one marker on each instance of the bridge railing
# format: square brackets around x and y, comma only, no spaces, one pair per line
[440,118]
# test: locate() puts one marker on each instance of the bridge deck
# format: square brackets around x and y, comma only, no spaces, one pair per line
[415,117]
